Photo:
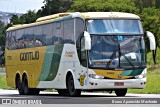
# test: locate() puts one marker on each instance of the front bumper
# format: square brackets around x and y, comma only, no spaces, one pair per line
[110,84]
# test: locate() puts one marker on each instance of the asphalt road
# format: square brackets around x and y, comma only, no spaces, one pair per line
[85,98]
[2,72]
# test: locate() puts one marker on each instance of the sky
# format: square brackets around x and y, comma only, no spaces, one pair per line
[20,6]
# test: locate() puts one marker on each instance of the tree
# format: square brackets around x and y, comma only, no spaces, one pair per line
[2,38]
[29,17]
[151,22]
[15,20]
[55,6]
[104,6]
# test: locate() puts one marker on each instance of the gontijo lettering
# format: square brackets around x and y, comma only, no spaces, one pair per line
[27,56]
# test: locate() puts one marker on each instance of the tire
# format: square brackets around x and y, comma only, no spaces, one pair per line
[34,91]
[25,86]
[70,87]
[19,86]
[62,92]
[121,92]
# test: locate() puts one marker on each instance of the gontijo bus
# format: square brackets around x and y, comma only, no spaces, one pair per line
[71,52]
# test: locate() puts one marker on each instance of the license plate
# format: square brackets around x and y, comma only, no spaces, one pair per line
[119,84]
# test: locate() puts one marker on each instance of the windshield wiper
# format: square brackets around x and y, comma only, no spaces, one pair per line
[127,60]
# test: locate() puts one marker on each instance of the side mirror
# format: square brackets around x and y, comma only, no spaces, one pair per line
[152,44]
[87,40]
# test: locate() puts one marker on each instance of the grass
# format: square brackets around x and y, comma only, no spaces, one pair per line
[153,82]
[3,83]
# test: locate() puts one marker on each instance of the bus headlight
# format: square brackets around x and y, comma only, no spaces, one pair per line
[142,75]
[94,76]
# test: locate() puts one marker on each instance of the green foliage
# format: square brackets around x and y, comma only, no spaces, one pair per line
[104,6]
[3,83]
[29,17]
[54,6]
[151,22]
[2,38]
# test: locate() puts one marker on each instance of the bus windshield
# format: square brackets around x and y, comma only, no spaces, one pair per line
[112,52]
[114,26]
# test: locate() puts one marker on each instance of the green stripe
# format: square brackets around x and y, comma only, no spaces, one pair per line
[132,72]
[51,63]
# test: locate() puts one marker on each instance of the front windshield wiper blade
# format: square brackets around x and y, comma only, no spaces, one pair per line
[128,60]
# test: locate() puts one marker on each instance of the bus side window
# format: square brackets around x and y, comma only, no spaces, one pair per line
[13,41]
[79,29]
[47,32]
[57,37]
[28,38]
[8,40]
[38,39]
[83,53]
[20,38]
[69,31]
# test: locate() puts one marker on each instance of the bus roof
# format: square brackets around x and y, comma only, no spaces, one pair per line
[110,15]
[85,15]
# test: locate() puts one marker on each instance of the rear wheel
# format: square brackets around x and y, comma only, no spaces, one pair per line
[19,86]
[25,85]
[70,87]
[121,92]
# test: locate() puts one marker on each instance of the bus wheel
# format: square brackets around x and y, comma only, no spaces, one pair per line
[25,85]
[62,92]
[121,92]
[19,86]
[34,91]
[70,87]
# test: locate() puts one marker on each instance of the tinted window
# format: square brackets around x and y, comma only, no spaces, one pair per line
[79,27]
[57,37]
[47,34]
[79,30]
[69,31]
[13,41]
[28,38]
[20,38]
[38,38]
[8,40]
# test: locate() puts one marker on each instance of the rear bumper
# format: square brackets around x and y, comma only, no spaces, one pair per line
[110,84]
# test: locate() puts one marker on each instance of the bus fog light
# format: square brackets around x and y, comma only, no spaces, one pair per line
[94,76]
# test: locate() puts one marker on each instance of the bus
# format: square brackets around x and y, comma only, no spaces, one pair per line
[74,52]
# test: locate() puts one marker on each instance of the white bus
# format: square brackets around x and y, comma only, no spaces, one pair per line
[72,52]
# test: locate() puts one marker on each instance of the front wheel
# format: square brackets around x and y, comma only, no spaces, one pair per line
[121,92]
[70,87]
